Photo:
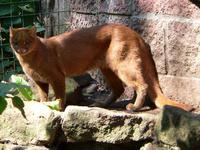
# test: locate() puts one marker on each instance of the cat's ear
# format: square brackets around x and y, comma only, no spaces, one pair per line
[12,31]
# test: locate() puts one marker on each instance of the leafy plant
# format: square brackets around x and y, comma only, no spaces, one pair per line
[53,104]
[18,90]
[3,104]
[7,90]
[22,87]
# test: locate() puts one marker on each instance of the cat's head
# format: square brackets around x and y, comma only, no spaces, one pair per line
[22,40]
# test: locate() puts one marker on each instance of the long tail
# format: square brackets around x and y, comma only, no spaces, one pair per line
[161,101]
[154,90]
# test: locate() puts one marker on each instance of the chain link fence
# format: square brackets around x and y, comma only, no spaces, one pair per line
[26,13]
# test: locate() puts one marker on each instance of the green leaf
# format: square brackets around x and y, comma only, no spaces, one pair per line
[26,92]
[19,80]
[18,102]
[27,7]
[3,104]
[6,88]
[23,87]
[39,27]
[53,104]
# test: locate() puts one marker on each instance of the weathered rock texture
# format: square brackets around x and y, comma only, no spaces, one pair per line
[38,125]
[96,124]
[83,128]
[178,127]
[172,28]
[9,146]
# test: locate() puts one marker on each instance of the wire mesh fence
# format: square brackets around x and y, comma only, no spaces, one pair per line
[26,13]
[17,14]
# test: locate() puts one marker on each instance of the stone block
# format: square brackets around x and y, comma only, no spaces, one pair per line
[79,20]
[117,7]
[178,128]
[182,8]
[36,124]
[82,124]
[142,6]
[106,18]
[153,33]
[184,89]
[183,49]
[84,6]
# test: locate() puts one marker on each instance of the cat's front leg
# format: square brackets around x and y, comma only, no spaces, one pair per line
[42,89]
[58,85]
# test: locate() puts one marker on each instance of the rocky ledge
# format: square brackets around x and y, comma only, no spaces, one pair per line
[39,127]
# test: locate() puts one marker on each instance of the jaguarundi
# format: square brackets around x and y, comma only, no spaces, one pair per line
[118,51]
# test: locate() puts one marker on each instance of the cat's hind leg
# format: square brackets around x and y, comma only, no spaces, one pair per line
[132,75]
[115,83]
[116,87]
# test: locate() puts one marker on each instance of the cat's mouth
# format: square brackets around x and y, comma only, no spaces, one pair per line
[22,51]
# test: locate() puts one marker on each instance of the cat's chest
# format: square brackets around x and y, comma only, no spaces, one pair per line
[36,75]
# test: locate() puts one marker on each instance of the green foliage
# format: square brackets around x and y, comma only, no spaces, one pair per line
[17,102]
[7,88]
[22,87]
[18,90]
[53,104]
[3,104]
[17,87]
[16,13]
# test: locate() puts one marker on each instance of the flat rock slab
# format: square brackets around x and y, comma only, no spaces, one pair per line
[83,124]
[38,125]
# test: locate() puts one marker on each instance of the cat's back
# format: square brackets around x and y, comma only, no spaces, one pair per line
[92,33]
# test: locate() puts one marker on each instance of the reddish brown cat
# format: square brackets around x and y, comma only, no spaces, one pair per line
[120,53]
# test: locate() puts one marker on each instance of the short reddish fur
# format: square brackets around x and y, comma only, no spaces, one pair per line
[120,53]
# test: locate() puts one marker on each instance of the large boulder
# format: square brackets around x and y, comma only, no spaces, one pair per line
[179,128]
[34,124]
[109,126]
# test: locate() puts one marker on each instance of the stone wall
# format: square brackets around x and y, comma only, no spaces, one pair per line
[172,28]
